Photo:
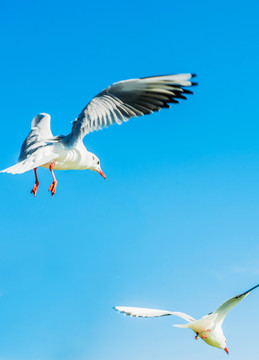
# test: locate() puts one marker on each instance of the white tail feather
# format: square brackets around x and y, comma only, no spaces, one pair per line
[18,168]
[40,157]
[183,326]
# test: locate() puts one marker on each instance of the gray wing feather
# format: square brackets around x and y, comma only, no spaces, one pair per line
[130,98]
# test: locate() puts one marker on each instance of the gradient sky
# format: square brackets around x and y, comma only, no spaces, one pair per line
[175,226]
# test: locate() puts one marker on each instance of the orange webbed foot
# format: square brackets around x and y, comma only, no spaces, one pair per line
[206,335]
[35,189]
[53,187]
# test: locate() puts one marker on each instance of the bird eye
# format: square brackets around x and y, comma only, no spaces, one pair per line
[98,162]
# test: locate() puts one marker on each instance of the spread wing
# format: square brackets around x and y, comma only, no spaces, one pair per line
[224,308]
[125,99]
[143,312]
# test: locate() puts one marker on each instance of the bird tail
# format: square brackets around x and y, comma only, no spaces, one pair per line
[18,168]
[36,159]
[183,326]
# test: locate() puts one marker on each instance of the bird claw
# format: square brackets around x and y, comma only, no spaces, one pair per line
[53,187]
[206,335]
[35,189]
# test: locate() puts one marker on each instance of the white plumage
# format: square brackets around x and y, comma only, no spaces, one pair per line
[208,328]
[116,104]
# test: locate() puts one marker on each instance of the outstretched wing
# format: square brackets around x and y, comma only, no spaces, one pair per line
[125,99]
[143,312]
[224,308]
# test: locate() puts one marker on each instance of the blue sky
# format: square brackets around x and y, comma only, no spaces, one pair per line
[175,226]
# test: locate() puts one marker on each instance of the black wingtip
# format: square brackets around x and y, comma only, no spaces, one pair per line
[248,291]
[254,287]
[194,84]
[185,91]
[194,75]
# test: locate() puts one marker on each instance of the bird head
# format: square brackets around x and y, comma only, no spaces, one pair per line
[223,344]
[216,338]
[95,165]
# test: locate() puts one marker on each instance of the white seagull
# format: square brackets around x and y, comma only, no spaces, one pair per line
[208,328]
[115,104]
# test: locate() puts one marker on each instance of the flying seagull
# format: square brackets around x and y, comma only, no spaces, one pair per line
[115,104]
[208,328]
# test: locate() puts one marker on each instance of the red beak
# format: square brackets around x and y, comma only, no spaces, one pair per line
[102,174]
[226,350]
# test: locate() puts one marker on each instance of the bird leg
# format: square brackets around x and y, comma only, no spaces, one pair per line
[196,337]
[53,186]
[36,185]
[206,335]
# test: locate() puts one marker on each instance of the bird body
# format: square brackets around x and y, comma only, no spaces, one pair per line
[115,104]
[214,336]
[208,328]
[76,158]
[42,145]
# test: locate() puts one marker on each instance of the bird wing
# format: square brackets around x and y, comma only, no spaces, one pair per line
[41,122]
[143,312]
[130,98]
[224,308]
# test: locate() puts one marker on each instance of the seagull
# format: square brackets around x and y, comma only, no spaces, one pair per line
[208,328]
[115,104]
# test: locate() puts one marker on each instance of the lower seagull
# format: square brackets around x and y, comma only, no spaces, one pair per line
[208,328]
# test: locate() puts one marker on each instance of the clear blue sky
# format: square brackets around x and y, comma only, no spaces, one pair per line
[175,226]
